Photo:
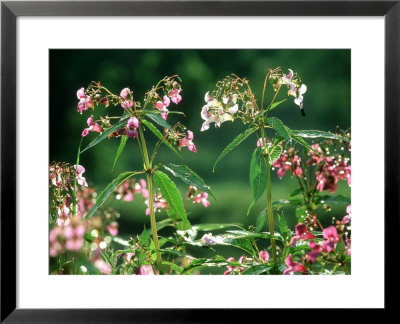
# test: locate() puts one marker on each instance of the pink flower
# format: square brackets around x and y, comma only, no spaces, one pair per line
[347,218]
[187,141]
[162,106]
[175,96]
[112,228]
[297,170]
[81,180]
[202,199]
[102,266]
[145,270]
[316,249]
[331,238]
[315,159]
[74,236]
[63,216]
[283,165]
[85,101]
[131,127]
[93,127]
[126,95]
[263,255]
[302,233]
[159,203]
[231,268]
[56,247]
[260,142]
[293,267]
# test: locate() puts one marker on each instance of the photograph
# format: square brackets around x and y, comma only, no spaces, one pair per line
[199,162]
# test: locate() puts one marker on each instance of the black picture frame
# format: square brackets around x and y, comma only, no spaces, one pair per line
[10,10]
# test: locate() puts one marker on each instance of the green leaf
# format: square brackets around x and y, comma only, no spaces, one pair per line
[280,128]
[160,136]
[283,227]
[302,142]
[240,138]
[108,190]
[159,120]
[274,154]
[337,200]
[144,237]
[261,218]
[318,134]
[172,195]
[275,104]
[188,176]
[258,176]
[213,227]
[173,265]
[301,214]
[107,132]
[257,269]
[121,146]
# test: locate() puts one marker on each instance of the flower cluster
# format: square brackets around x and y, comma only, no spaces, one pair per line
[331,169]
[68,237]
[130,187]
[288,161]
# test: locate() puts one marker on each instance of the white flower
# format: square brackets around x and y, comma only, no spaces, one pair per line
[299,100]
[230,102]
[213,112]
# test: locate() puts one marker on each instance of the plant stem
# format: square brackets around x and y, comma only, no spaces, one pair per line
[269,211]
[149,175]
[269,200]
[153,221]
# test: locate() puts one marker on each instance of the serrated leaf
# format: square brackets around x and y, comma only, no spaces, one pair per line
[275,104]
[318,134]
[156,132]
[280,128]
[258,176]
[101,198]
[159,120]
[188,176]
[172,195]
[144,237]
[240,138]
[261,218]
[121,147]
[107,132]
[274,154]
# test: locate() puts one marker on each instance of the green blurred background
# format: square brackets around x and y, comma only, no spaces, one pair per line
[327,104]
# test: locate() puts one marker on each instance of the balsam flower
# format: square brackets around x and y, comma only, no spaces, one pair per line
[187,141]
[263,255]
[213,112]
[85,102]
[175,96]
[347,218]
[55,236]
[74,236]
[162,106]
[126,95]
[158,204]
[231,104]
[202,199]
[102,266]
[131,127]
[293,267]
[112,228]
[316,249]
[80,179]
[93,127]
[302,233]
[145,270]
[63,216]
[330,238]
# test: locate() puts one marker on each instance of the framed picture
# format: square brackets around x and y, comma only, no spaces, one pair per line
[69,254]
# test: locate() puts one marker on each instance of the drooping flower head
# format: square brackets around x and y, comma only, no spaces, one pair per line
[93,127]
[131,127]
[213,112]
[188,142]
